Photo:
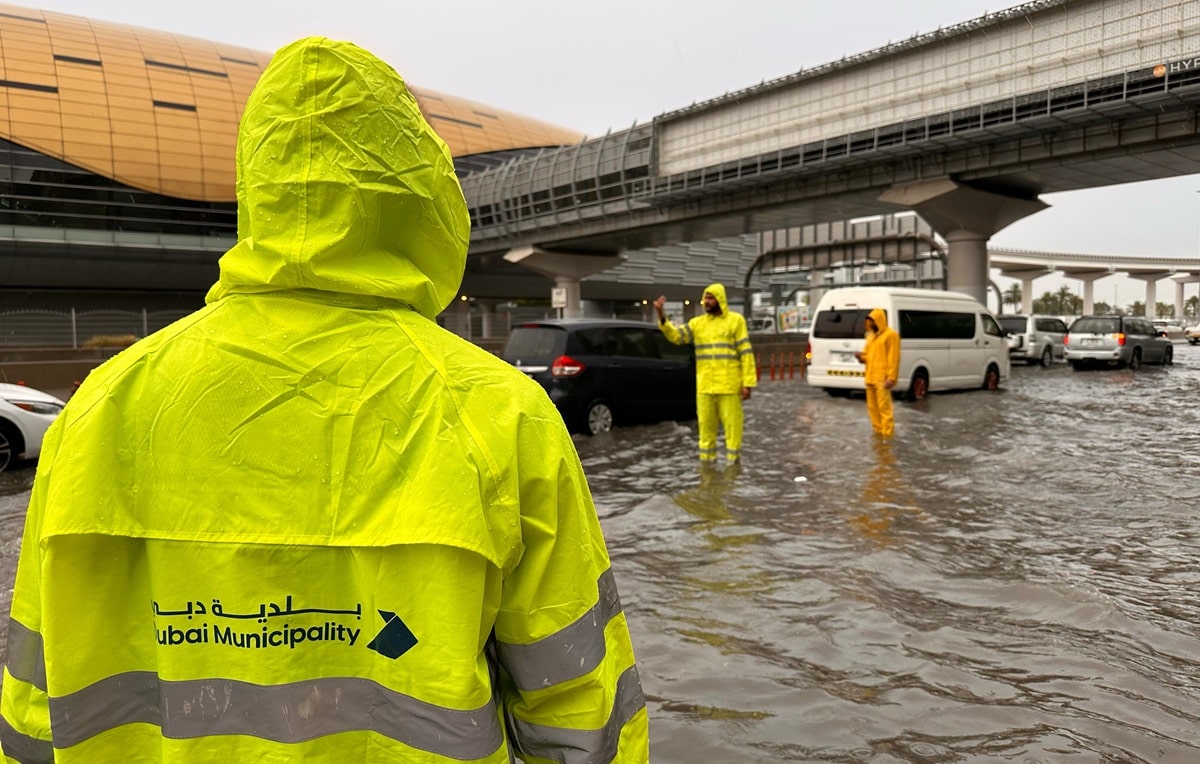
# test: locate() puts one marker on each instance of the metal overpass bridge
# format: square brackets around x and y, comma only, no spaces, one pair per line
[967,126]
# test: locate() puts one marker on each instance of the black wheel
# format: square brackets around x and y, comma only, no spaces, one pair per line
[1169,356]
[991,378]
[598,418]
[837,392]
[919,387]
[10,445]
[1076,365]
[1135,361]
[1047,357]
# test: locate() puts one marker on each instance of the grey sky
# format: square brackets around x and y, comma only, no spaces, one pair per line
[595,66]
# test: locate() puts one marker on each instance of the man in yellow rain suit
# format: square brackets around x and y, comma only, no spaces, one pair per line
[881,355]
[305,523]
[725,370]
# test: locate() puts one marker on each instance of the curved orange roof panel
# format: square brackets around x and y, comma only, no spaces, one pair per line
[159,111]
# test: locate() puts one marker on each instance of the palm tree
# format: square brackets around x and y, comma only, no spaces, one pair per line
[1191,308]
[1066,300]
[1164,310]
[1137,308]
[1012,296]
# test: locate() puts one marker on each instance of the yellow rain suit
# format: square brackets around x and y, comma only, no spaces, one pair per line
[724,365]
[881,354]
[306,524]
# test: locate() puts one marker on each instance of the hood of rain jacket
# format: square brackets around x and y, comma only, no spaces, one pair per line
[882,351]
[718,291]
[345,190]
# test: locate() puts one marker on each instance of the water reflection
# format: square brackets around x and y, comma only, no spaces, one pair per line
[1012,578]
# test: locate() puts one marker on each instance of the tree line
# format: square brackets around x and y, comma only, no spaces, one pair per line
[1064,302]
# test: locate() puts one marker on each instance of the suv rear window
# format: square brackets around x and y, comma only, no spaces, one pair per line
[531,343]
[1096,326]
[1016,325]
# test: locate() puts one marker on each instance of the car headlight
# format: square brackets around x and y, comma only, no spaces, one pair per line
[37,407]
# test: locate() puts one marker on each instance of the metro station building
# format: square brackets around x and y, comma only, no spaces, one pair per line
[117,160]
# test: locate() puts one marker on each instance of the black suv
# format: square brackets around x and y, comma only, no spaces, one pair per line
[601,372]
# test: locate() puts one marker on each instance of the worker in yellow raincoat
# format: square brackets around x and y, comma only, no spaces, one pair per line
[725,369]
[881,354]
[305,523]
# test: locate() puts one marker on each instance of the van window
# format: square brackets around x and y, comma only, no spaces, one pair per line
[534,343]
[669,350]
[936,325]
[836,324]
[990,326]
[629,342]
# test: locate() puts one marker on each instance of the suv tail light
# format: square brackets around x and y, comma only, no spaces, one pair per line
[566,366]
[1120,338]
[808,352]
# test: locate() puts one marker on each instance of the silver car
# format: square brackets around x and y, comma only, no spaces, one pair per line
[1126,341]
[1034,339]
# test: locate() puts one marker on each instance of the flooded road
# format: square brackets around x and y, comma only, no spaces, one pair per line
[1014,578]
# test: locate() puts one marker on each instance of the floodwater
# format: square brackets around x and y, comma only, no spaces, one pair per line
[1012,579]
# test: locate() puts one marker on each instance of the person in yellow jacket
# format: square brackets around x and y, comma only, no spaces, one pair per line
[881,355]
[725,369]
[305,523]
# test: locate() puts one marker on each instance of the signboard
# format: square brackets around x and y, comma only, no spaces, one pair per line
[558,297]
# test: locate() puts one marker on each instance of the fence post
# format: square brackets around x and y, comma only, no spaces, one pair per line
[145,324]
[74,332]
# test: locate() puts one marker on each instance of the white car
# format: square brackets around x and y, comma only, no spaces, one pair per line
[25,415]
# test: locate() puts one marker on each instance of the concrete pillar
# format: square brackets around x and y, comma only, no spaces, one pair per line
[1151,298]
[491,325]
[1089,288]
[567,270]
[1027,294]
[1178,299]
[966,217]
[574,306]
[967,263]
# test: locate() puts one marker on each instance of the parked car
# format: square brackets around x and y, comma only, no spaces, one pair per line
[1192,334]
[605,372]
[1172,329]
[1116,341]
[1034,339]
[25,415]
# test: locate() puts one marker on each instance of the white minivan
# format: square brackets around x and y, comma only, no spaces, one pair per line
[948,340]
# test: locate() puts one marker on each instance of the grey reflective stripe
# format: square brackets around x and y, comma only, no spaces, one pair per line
[687,333]
[26,659]
[571,746]
[23,748]
[284,713]
[568,653]
[710,345]
[716,357]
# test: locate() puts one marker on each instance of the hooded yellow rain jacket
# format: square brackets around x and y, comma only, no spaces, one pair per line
[305,523]
[881,354]
[724,365]
[724,358]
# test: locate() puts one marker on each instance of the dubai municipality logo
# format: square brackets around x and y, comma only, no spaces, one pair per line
[394,639]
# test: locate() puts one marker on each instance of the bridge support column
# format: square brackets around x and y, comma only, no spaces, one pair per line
[567,270]
[966,217]
[1089,288]
[1151,299]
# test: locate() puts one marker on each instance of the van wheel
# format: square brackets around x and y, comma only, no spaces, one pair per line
[598,419]
[1047,357]
[919,387]
[991,378]
[1135,360]
[837,392]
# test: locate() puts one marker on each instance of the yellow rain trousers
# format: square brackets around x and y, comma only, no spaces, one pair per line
[724,365]
[305,524]
[881,354]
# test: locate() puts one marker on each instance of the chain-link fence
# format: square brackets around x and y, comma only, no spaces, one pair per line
[77,329]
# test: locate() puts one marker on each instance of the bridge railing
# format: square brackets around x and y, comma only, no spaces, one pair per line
[616,173]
